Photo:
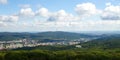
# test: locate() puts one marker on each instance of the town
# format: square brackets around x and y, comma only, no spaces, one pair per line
[27,42]
[13,44]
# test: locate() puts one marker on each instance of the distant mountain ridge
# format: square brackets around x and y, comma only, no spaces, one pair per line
[4,36]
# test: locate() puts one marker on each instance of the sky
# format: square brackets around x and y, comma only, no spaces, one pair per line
[59,15]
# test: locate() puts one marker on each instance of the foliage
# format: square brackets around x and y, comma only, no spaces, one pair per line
[110,42]
[60,55]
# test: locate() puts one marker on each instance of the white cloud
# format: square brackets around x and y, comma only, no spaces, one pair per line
[26,12]
[60,15]
[108,4]
[3,1]
[86,9]
[11,18]
[78,26]
[2,24]
[24,5]
[111,12]
[43,12]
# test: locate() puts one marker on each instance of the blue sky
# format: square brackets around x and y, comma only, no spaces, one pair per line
[60,15]
[52,5]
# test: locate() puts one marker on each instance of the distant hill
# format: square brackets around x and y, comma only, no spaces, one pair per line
[4,36]
[111,41]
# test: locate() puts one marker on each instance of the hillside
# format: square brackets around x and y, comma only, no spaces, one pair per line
[106,42]
[4,36]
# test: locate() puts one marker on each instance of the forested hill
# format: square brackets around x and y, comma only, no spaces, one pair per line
[4,36]
[107,42]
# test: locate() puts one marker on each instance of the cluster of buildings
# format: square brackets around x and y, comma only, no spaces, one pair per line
[32,43]
[16,44]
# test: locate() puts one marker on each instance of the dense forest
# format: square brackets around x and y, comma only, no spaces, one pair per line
[60,53]
[77,54]
[107,42]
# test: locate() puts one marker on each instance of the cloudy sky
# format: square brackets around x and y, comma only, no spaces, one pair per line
[59,15]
